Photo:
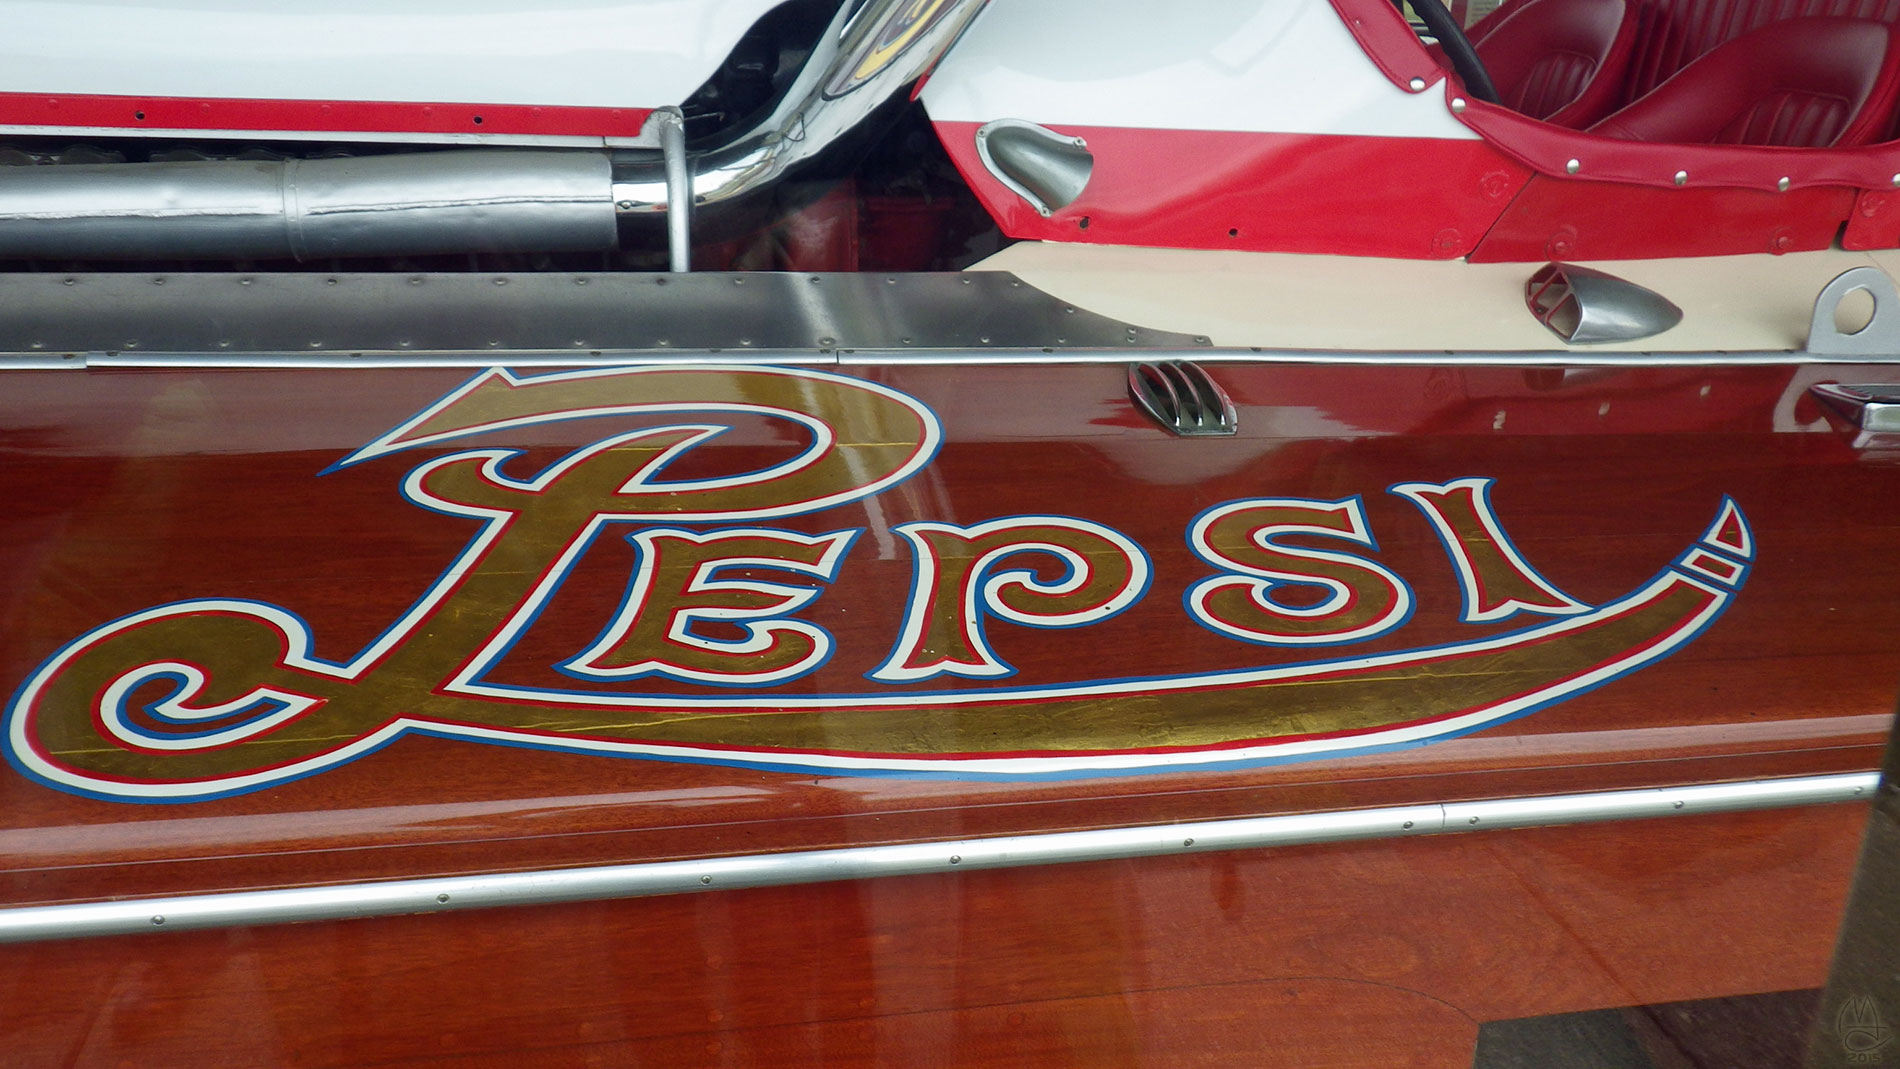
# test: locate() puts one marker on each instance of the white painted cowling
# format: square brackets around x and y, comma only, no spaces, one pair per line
[595,54]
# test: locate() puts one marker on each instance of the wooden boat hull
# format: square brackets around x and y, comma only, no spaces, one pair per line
[361,625]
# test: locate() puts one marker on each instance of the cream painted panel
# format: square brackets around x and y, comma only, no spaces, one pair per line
[1294,301]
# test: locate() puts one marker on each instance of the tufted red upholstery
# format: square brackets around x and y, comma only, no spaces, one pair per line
[1799,83]
[1560,60]
[1675,32]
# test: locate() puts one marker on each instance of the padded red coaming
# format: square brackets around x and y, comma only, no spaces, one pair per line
[1802,83]
[1560,60]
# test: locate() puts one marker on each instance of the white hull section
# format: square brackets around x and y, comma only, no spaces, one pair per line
[627,54]
[1274,66]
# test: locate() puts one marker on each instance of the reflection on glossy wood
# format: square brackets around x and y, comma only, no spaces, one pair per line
[128,491]
[204,697]
[1765,1031]
[164,486]
[1370,954]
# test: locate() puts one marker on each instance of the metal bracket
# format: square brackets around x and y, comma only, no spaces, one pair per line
[679,189]
[1182,397]
[1881,335]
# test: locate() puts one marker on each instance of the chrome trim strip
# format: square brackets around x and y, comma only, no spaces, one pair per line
[848,358]
[1437,358]
[399,897]
[384,359]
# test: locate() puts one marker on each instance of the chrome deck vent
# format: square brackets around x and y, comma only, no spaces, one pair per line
[1589,307]
[1182,397]
[1045,168]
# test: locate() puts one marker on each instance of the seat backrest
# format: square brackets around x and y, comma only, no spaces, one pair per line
[1676,32]
[1560,60]
[1798,83]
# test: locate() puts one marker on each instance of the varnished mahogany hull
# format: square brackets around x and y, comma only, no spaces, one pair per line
[1371,954]
[133,490]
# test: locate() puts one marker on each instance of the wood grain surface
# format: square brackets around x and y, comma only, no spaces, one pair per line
[130,490]
[1367,954]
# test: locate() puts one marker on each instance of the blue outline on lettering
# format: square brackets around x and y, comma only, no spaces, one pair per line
[1263,588]
[1467,580]
[180,681]
[982,580]
[827,648]
[764,761]
[789,762]
[299,642]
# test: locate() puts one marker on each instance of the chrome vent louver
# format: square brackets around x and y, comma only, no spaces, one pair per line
[1182,397]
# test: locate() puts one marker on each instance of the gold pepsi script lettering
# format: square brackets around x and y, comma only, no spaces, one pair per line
[217,696]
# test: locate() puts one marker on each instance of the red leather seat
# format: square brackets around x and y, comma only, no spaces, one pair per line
[1560,60]
[1798,83]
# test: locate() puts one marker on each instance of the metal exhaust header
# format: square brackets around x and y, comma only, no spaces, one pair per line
[471,200]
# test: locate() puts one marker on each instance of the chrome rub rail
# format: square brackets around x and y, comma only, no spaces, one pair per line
[399,897]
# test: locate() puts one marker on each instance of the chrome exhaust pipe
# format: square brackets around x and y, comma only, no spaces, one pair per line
[457,201]
[862,61]
[470,200]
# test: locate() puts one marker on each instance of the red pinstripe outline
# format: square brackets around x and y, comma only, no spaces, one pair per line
[253,116]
